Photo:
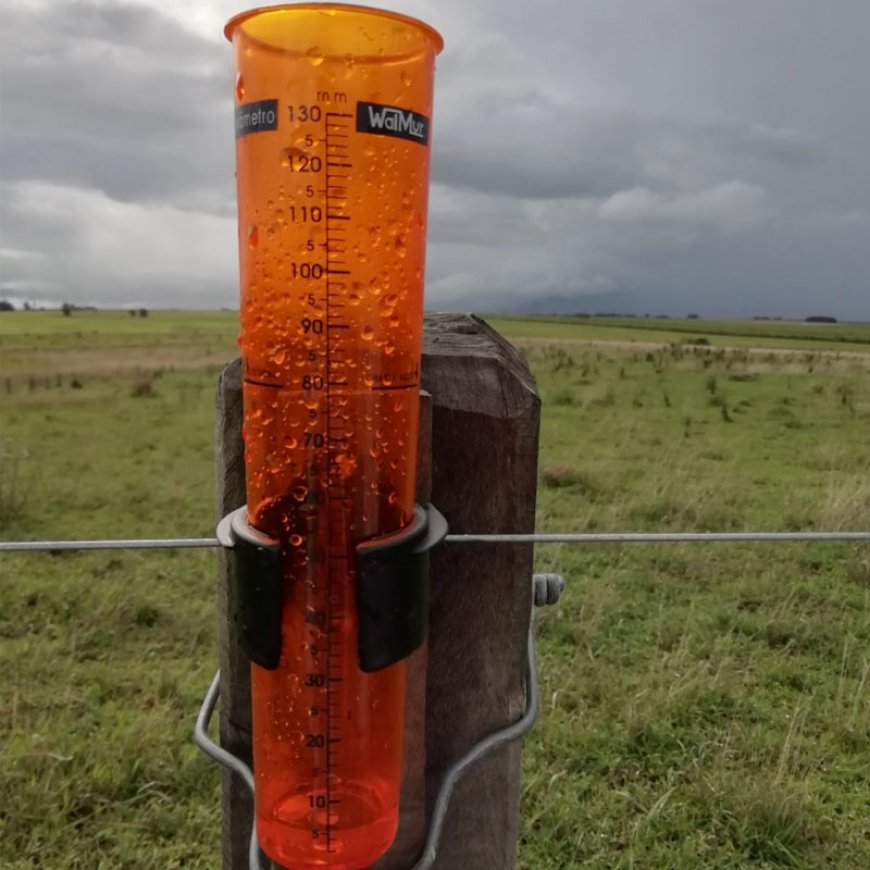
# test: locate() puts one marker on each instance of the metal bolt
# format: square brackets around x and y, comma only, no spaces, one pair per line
[547,588]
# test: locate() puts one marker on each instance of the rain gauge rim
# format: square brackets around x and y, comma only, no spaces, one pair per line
[373,12]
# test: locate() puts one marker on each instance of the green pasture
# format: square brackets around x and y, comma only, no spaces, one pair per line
[701,705]
[160,327]
[778,335]
[36,330]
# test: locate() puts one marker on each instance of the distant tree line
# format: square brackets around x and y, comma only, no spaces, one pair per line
[626,314]
[816,318]
[67,309]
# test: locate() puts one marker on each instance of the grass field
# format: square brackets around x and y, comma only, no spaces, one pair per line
[788,335]
[702,706]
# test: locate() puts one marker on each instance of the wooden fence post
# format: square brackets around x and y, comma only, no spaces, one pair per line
[485,421]
[485,415]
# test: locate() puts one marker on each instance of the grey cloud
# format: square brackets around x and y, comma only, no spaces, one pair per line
[542,153]
[118,98]
[700,156]
[532,147]
[783,144]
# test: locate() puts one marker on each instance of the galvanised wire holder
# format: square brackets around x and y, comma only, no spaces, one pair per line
[546,589]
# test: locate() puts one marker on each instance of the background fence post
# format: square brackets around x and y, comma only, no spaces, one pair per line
[482,474]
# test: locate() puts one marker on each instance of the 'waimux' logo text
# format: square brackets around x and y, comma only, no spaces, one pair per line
[392,121]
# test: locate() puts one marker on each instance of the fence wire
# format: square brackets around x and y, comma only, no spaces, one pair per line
[536,538]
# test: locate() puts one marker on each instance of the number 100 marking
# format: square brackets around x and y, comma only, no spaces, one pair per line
[306,270]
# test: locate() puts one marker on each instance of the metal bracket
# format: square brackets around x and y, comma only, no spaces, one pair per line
[546,589]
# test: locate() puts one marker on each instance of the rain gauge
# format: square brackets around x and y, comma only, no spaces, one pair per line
[333,107]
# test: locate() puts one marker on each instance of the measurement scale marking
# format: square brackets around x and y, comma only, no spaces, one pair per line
[330,637]
[335,201]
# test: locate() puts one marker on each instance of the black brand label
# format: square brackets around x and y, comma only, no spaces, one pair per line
[256,117]
[392,121]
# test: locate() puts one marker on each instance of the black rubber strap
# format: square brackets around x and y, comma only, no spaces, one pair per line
[393,590]
[259,591]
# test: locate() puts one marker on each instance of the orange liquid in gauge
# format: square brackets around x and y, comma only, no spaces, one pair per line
[333,106]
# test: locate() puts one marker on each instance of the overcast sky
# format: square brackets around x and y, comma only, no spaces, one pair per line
[588,155]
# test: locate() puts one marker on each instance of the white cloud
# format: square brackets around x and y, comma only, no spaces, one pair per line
[731,206]
[20,254]
[117,251]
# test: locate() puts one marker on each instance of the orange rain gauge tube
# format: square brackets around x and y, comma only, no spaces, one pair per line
[333,108]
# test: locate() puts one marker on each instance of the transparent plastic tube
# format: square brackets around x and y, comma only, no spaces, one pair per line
[333,109]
